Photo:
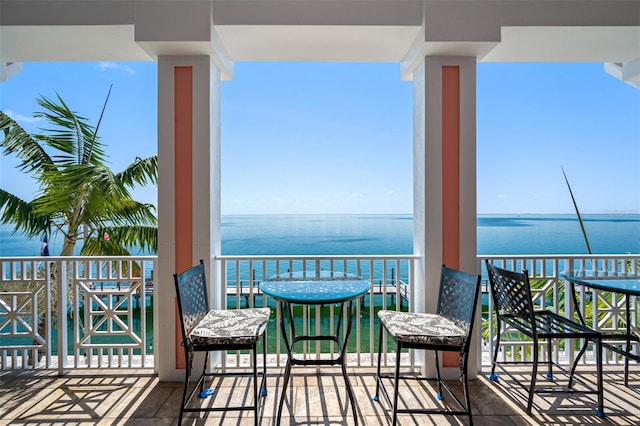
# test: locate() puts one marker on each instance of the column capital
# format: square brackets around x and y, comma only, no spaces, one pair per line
[180,28]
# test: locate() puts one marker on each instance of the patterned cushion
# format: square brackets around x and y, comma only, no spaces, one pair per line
[422,328]
[237,326]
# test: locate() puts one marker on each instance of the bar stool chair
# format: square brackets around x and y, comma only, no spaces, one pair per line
[515,311]
[206,330]
[448,330]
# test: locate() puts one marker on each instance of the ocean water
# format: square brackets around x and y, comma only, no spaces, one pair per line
[393,234]
[317,234]
[558,234]
[385,234]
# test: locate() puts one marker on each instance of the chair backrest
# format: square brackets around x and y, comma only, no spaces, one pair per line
[511,292]
[193,304]
[458,297]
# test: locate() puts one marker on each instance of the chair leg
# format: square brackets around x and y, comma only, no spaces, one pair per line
[440,396]
[187,371]
[255,384]
[263,383]
[465,386]
[549,361]
[575,362]
[204,393]
[260,390]
[396,385]
[600,411]
[493,376]
[534,374]
[376,396]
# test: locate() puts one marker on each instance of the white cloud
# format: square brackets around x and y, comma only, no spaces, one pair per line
[317,199]
[21,118]
[503,196]
[389,194]
[537,197]
[108,66]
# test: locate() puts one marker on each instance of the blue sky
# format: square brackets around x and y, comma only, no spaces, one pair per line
[337,137]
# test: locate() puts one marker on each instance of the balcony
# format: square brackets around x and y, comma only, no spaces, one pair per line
[108,349]
[125,396]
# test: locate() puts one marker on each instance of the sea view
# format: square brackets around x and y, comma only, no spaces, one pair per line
[383,234]
[392,234]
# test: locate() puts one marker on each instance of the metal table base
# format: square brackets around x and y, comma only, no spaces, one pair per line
[291,338]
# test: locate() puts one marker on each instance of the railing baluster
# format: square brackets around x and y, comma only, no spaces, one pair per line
[70,284]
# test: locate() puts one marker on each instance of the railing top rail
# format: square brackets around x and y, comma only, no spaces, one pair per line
[330,256]
[76,258]
[316,256]
[326,257]
[557,256]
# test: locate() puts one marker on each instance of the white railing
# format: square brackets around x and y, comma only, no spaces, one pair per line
[551,292]
[391,278]
[101,301]
[75,312]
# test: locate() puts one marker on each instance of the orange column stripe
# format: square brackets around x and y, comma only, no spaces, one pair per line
[451,166]
[182,160]
[450,177]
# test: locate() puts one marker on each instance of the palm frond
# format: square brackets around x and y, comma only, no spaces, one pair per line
[135,212]
[141,171]
[95,246]
[79,194]
[21,214]
[20,143]
[72,134]
[129,237]
[104,190]
[76,188]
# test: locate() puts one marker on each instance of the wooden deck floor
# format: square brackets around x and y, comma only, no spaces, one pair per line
[130,397]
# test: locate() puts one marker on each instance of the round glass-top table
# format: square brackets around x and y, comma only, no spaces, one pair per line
[315,288]
[311,287]
[626,285]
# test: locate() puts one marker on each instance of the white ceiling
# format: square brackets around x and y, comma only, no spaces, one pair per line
[257,34]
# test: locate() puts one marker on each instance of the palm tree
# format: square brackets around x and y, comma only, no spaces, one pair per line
[78,195]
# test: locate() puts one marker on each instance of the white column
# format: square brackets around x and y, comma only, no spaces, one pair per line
[444,229]
[188,191]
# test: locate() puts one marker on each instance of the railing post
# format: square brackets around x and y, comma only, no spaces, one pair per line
[61,312]
[47,318]
[569,309]
[155,301]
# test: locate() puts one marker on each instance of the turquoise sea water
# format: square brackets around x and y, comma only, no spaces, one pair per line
[558,234]
[390,234]
[393,234]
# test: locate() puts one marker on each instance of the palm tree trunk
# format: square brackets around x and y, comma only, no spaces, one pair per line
[69,244]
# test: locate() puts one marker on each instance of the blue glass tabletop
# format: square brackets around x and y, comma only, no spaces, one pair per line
[625,284]
[315,287]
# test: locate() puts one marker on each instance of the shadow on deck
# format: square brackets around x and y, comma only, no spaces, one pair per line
[135,397]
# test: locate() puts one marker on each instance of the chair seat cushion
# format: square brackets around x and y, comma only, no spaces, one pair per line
[233,326]
[422,328]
